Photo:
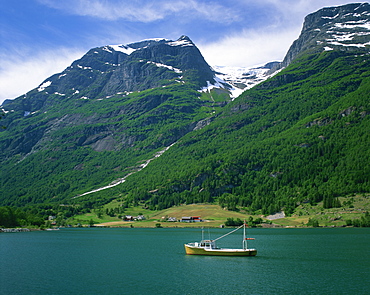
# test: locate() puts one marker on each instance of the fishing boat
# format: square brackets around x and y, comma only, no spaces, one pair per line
[208,247]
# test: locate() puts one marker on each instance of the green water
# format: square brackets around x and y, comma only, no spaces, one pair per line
[153,261]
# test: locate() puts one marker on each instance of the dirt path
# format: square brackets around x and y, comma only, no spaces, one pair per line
[122,180]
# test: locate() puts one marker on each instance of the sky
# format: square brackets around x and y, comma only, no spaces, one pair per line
[39,38]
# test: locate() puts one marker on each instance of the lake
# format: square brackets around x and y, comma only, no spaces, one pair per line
[153,261]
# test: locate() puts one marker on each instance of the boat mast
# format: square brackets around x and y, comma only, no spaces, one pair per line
[245,246]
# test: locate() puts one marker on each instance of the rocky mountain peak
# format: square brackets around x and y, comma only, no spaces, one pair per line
[351,12]
[120,69]
[341,28]
[185,38]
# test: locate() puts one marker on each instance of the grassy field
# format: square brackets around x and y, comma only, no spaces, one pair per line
[214,216]
[352,207]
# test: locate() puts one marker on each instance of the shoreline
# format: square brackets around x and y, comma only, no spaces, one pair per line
[19,230]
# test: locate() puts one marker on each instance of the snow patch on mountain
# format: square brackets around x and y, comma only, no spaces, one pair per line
[120,48]
[236,80]
[123,48]
[218,83]
[182,43]
[359,45]
[242,78]
[353,25]
[84,68]
[347,34]
[165,66]
[44,85]
[347,30]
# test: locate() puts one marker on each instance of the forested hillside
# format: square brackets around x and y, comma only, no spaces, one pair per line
[154,125]
[277,145]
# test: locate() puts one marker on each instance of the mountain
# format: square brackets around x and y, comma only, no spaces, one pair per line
[151,122]
[112,78]
[120,69]
[341,28]
[93,122]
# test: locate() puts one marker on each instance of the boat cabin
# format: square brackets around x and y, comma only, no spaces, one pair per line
[207,244]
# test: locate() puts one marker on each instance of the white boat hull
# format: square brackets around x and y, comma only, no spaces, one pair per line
[194,250]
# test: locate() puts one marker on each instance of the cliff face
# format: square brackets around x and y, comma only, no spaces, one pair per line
[342,28]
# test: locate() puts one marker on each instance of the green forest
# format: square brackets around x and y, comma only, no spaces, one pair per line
[300,137]
[303,141]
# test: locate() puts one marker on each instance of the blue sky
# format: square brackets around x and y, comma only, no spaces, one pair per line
[41,37]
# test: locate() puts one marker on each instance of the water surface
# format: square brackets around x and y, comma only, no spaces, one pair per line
[153,261]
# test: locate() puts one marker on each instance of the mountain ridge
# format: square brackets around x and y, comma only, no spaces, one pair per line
[123,70]
[315,34]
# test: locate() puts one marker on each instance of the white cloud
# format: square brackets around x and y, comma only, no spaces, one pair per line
[21,73]
[269,42]
[249,48]
[306,5]
[142,10]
